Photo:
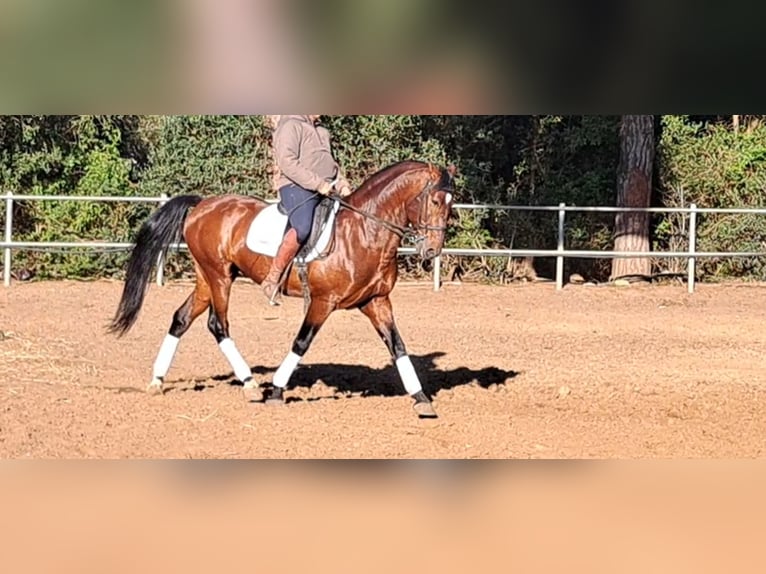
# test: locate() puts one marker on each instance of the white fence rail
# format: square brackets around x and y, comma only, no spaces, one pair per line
[560,253]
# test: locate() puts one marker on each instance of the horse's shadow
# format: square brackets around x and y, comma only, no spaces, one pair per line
[382,382]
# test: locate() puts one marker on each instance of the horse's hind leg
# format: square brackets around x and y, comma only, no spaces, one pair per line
[380,313]
[218,324]
[183,318]
[317,314]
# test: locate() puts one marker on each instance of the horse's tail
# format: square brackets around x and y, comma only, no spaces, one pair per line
[163,229]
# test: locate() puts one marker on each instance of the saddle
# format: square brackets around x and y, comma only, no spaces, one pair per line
[269,227]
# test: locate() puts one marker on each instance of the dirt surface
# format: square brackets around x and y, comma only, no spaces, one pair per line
[516,372]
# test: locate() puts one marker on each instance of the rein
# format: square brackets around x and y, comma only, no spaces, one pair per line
[403,232]
[392,227]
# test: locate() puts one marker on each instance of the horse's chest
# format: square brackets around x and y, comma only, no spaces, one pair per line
[378,268]
[373,274]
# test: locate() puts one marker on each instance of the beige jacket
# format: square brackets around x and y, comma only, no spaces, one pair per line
[304,154]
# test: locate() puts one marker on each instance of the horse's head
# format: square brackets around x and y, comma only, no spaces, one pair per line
[429,213]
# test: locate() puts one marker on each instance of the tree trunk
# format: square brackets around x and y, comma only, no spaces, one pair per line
[274,169]
[735,123]
[634,189]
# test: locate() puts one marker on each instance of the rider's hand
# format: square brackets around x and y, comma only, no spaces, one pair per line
[345,191]
[325,188]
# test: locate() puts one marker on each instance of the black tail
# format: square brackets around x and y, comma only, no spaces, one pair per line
[163,228]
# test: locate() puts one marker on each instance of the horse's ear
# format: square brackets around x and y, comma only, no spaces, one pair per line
[452,169]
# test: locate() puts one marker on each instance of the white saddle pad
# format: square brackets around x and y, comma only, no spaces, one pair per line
[269,226]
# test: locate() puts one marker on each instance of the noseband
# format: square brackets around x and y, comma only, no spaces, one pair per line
[423,211]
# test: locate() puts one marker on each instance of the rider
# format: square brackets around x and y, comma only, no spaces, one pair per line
[307,170]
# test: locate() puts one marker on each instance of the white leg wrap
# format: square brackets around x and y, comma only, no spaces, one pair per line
[165,356]
[241,368]
[409,376]
[285,370]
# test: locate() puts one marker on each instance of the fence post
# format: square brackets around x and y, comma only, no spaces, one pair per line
[160,258]
[437,272]
[560,249]
[8,239]
[692,264]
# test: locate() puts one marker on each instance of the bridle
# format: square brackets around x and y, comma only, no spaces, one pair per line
[414,232]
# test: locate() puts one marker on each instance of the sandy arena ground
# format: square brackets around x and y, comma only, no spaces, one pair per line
[516,372]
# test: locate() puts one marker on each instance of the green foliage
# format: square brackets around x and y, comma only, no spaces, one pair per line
[68,155]
[710,164]
[521,160]
[208,155]
[365,144]
[536,160]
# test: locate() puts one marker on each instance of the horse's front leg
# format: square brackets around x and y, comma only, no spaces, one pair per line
[380,313]
[317,314]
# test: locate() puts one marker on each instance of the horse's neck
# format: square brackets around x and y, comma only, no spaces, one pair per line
[380,217]
[391,204]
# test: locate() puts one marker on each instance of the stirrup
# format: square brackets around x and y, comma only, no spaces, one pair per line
[274,294]
[274,300]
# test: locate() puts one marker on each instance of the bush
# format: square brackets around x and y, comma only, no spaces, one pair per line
[713,166]
[521,160]
[532,160]
[69,155]
[207,155]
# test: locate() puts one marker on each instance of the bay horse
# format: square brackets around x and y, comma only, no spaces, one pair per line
[409,198]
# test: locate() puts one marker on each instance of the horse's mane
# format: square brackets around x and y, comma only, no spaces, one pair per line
[379,184]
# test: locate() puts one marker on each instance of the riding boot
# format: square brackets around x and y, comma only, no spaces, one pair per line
[287,252]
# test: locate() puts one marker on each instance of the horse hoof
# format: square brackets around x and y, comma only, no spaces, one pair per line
[252,394]
[154,389]
[276,397]
[425,410]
